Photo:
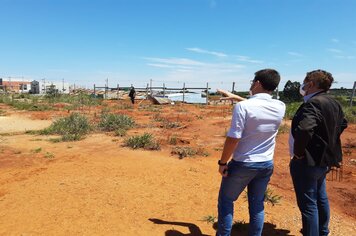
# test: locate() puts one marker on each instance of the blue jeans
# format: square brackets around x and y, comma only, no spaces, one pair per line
[310,189]
[241,174]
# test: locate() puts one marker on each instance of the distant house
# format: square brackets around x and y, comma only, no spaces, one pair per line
[15,85]
[38,87]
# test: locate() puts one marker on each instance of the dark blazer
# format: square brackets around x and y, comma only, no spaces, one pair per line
[316,129]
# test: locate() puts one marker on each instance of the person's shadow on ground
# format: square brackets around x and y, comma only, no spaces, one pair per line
[240,229]
[194,230]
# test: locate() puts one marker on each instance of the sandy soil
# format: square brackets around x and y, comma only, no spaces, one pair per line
[98,187]
[15,123]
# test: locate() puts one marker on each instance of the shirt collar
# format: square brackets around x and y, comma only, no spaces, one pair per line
[262,95]
[309,96]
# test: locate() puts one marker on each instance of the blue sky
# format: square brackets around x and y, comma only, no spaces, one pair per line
[176,41]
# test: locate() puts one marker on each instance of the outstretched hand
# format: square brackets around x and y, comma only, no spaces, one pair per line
[229,96]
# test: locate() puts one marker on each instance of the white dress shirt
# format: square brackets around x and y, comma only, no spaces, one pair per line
[255,123]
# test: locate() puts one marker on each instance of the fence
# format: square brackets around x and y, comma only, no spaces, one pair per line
[149,90]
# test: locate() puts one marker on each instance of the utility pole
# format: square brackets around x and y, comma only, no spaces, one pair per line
[151,86]
[207,93]
[106,88]
[353,93]
[44,85]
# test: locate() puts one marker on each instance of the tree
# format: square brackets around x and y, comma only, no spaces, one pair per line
[291,92]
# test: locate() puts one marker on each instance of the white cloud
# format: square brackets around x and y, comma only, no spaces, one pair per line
[160,65]
[334,50]
[248,59]
[184,63]
[334,40]
[175,61]
[203,51]
[345,57]
[295,54]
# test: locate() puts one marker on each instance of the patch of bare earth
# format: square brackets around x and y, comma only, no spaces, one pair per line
[98,187]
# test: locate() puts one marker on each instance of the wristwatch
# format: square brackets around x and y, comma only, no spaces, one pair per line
[222,164]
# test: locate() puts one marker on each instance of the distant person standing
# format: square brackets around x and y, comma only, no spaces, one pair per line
[132,94]
[315,147]
[251,140]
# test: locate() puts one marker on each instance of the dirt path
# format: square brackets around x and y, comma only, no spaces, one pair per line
[16,123]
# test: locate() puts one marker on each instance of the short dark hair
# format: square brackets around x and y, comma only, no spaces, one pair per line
[322,78]
[269,78]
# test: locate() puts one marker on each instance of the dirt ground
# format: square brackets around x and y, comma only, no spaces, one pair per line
[98,187]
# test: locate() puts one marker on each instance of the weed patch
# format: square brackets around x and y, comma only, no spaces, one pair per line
[271,198]
[72,128]
[36,150]
[145,141]
[114,122]
[210,219]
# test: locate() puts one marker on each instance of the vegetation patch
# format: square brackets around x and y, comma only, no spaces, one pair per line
[114,122]
[350,114]
[291,109]
[120,132]
[145,141]
[188,152]
[71,128]
[36,150]
[49,155]
[183,152]
[272,198]
[283,129]
[172,140]
[210,219]
[170,125]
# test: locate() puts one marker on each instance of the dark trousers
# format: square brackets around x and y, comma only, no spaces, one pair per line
[310,189]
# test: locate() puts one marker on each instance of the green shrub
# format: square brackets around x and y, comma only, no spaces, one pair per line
[350,114]
[284,128]
[172,140]
[270,198]
[112,122]
[145,141]
[49,155]
[36,150]
[188,152]
[184,152]
[291,109]
[120,132]
[72,128]
[210,219]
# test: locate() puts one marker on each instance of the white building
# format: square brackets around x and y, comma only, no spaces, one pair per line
[44,87]
[17,85]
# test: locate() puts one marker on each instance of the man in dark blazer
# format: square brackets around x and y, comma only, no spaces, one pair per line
[316,129]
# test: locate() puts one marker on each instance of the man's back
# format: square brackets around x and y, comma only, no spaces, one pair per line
[319,124]
[255,122]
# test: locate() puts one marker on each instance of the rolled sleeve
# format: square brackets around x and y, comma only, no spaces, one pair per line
[237,122]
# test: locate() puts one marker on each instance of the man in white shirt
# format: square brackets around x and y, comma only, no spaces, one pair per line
[251,142]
